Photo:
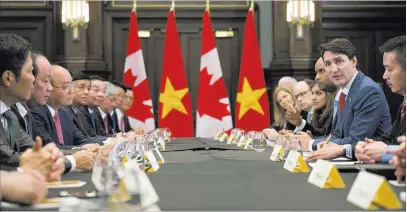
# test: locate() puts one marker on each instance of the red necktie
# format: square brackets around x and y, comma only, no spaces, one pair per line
[122,124]
[106,125]
[342,102]
[58,128]
[403,111]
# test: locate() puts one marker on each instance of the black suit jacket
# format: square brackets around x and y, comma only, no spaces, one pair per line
[81,122]
[100,125]
[127,126]
[97,125]
[28,128]
[44,127]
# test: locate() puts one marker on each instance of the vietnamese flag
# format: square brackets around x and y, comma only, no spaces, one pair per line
[252,106]
[141,111]
[174,109]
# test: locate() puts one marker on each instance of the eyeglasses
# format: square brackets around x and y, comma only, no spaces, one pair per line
[96,90]
[82,87]
[64,87]
[302,94]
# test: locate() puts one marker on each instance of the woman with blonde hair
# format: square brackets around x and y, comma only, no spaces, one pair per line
[283,100]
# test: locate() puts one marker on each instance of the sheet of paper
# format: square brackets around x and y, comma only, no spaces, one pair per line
[336,163]
[47,203]
[66,184]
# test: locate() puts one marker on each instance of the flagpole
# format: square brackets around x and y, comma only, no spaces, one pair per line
[134,5]
[207,5]
[172,4]
[252,4]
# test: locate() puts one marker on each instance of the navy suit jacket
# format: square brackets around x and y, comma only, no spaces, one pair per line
[366,114]
[44,127]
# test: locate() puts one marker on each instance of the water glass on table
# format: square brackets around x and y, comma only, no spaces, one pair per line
[259,142]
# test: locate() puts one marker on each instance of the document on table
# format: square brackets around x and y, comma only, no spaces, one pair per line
[337,163]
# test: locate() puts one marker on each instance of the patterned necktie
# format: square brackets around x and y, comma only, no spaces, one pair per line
[122,124]
[58,128]
[106,125]
[342,102]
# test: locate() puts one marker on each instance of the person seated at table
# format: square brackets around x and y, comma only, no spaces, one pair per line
[96,96]
[16,82]
[81,160]
[118,96]
[394,62]
[102,113]
[322,101]
[28,187]
[81,88]
[53,123]
[127,101]
[363,111]
[321,74]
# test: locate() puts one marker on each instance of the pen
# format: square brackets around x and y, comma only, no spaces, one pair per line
[328,139]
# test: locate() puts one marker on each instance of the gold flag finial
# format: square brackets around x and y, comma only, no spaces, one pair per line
[134,5]
[252,4]
[207,5]
[172,4]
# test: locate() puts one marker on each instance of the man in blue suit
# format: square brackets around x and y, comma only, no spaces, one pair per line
[53,123]
[362,109]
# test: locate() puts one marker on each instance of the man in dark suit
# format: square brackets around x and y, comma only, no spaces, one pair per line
[39,96]
[125,101]
[119,95]
[81,88]
[96,96]
[53,123]
[102,113]
[363,110]
[394,62]
[16,83]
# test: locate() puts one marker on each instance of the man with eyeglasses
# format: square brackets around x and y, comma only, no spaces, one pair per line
[102,113]
[97,94]
[53,123]
[117,115]
[126,101]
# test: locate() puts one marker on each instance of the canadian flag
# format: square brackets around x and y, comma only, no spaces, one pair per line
[141,111]
[213,109]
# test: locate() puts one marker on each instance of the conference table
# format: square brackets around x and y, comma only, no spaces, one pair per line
[207,175]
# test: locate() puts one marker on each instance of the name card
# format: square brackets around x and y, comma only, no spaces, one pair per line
[231,138]
[248,143]
[277,154]
[325,175]
[160,156]
[241,141]
[369,191]
[217,136]
[224,137]
[295,162]
[153,161]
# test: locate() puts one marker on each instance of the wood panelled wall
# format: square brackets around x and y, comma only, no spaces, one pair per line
[101,48]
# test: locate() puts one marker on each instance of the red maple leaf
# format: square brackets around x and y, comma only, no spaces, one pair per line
[209,96]
[138,110]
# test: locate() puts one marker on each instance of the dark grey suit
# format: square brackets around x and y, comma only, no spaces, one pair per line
[12,146]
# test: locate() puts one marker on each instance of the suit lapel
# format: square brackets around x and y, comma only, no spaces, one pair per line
[349,100]
[52,123]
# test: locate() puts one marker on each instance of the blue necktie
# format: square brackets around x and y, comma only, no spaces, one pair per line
[92,116]
[113,121]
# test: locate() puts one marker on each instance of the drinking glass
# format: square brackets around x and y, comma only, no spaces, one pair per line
[259,142]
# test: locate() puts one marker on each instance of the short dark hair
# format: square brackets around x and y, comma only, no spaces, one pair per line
[397,44]
[339,46]
[34,55]
[93,77]
[14,50]
[79,75]
[120,84]
[309,82]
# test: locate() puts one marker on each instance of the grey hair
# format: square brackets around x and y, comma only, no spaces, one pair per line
[287,79]
[110,89]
